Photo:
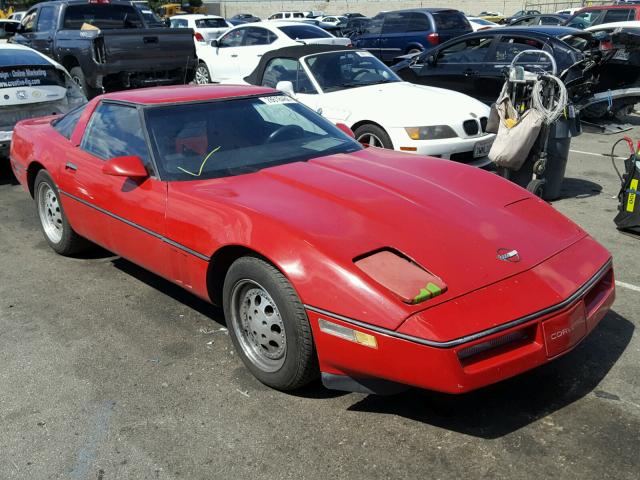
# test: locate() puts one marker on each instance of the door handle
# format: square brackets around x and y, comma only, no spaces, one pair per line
[470,73]
[259,55]
[71,166]
[234,55]
[150,39]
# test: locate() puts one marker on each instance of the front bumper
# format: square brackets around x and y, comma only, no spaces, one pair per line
[470,363]
[457,149]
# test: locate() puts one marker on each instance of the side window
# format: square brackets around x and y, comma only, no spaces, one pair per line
[419,22]
[287,69]
[114,131]
[46,19]
[28,22]
[67,124]
[509,47]
[526,21]
[233,38]
[617,15]
[548,21]
[396,22]
[257,36]
[473,50]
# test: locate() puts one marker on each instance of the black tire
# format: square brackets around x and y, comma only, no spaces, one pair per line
[299,364]
[536,186]
[78,77]
[365,133]
[69,242]
[202,75]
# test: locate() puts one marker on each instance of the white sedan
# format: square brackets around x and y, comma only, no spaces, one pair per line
[205,27]
[332,20]
[236,53]
[355,88]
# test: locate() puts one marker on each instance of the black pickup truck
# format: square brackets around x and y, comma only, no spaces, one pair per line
[107,45]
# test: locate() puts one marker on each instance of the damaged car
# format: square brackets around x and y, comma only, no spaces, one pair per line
[32,85]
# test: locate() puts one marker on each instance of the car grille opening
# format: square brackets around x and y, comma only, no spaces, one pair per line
[496,346]
[483,124]
[470,127]
[598,292]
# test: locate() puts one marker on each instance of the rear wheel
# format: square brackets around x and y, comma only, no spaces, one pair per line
[55,226]
[77,75]
[202,74]
[373,136]
[268,325]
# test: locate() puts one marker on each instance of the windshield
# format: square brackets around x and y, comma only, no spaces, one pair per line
[585,19]
[348,69]
[304,32]
[232,137]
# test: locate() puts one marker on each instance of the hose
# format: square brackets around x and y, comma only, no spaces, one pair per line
[551,114]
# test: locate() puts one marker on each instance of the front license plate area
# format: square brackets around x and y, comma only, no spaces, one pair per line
[481,149]
[565,330]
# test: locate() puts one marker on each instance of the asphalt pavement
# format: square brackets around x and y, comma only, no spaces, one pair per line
[109,372]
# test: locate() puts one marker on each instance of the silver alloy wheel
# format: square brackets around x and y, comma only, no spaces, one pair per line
[202,75]
[50,212]
[371,140]
[258,326]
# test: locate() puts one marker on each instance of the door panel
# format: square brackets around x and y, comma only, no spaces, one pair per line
[126,216]
[459,66]
[45,27]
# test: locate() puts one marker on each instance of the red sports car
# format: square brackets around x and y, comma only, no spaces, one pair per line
[373,268]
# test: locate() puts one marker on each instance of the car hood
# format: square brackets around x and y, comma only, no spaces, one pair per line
[401,104]
[452,219]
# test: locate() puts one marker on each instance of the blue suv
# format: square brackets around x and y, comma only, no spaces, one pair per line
[407,31]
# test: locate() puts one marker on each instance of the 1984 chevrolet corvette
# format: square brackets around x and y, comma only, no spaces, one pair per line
[373,268]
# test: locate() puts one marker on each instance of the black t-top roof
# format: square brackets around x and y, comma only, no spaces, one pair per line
[295,53]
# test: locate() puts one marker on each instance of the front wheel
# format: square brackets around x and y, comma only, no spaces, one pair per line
[202,74]
[55,226]
[373,136]
[268,325]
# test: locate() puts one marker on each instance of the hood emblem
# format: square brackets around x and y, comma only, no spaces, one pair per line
[507,255]
[21,94]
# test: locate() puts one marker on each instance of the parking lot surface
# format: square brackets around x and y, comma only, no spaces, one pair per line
[107,371]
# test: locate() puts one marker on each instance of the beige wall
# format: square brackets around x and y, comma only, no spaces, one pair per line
[370,7]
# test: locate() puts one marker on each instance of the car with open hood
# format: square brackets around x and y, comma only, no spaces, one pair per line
[354,87]
[368,267]
[31,85]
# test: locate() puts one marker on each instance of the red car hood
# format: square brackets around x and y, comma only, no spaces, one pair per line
[452,219]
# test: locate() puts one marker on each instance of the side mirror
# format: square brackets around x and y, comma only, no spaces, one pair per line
[130,166]
[214,43]
[285,87]
[431,60]
[346,129]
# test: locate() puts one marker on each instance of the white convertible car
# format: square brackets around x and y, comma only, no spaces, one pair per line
[355,88]
[237,52]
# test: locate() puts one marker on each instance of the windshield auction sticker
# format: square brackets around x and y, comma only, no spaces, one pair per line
[275,100]
[27,77]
